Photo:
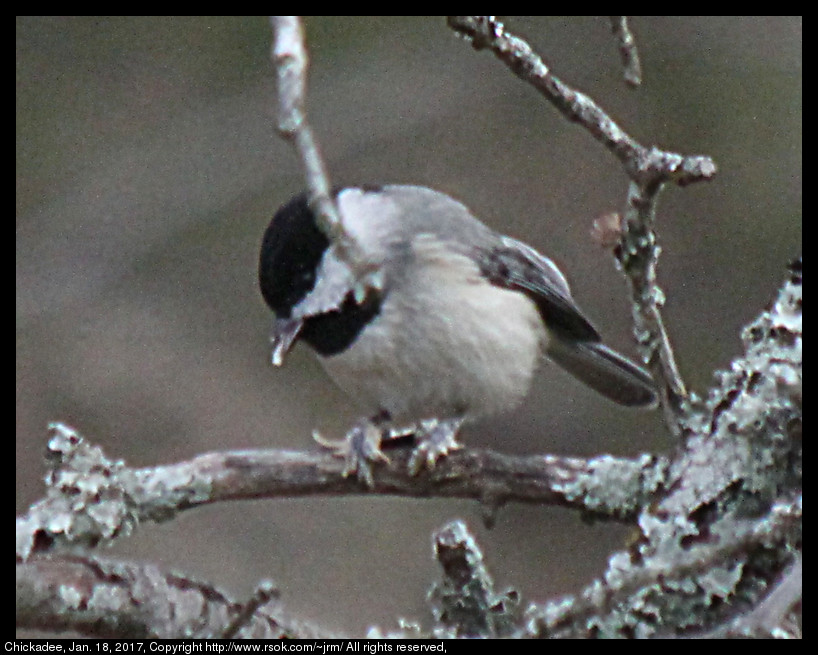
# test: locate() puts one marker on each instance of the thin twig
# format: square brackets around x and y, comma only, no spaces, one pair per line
[631,65]
[638,254]
[291,62]
[771,613]
[264,593]
[643,165]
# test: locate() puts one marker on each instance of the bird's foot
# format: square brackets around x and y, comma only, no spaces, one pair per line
[360,449]
[435,438]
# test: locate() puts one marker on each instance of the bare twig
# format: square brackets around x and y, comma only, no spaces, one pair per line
[631,65]
[644,165]
[264,593]
[291,62]
[648,168]
[638,254]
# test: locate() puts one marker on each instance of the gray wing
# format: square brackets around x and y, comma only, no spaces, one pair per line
[577,348]
[514,265]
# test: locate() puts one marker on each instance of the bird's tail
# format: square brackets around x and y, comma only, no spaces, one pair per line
[605,371]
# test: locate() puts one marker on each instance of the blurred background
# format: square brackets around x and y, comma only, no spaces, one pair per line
[148,168]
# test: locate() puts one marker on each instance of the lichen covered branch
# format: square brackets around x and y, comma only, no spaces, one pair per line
[106,598]
[92,499]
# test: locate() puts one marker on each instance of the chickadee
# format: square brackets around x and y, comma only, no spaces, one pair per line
[453,330]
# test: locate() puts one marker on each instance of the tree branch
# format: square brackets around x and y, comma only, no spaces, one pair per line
[106,598]
[464,603]
[92,499]
[646,166]
[699,586]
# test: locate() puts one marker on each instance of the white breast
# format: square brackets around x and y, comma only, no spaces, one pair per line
[448,344]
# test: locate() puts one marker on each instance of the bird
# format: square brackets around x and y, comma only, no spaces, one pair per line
[451,327]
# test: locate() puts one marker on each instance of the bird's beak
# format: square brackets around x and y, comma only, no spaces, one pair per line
[285,332]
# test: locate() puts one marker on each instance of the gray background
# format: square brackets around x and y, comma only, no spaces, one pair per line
[148,168]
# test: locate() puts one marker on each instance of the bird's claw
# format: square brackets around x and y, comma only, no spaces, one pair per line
[435,439]
[360,448]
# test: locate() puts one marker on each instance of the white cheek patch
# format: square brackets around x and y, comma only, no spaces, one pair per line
[363,215]
[332,283]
